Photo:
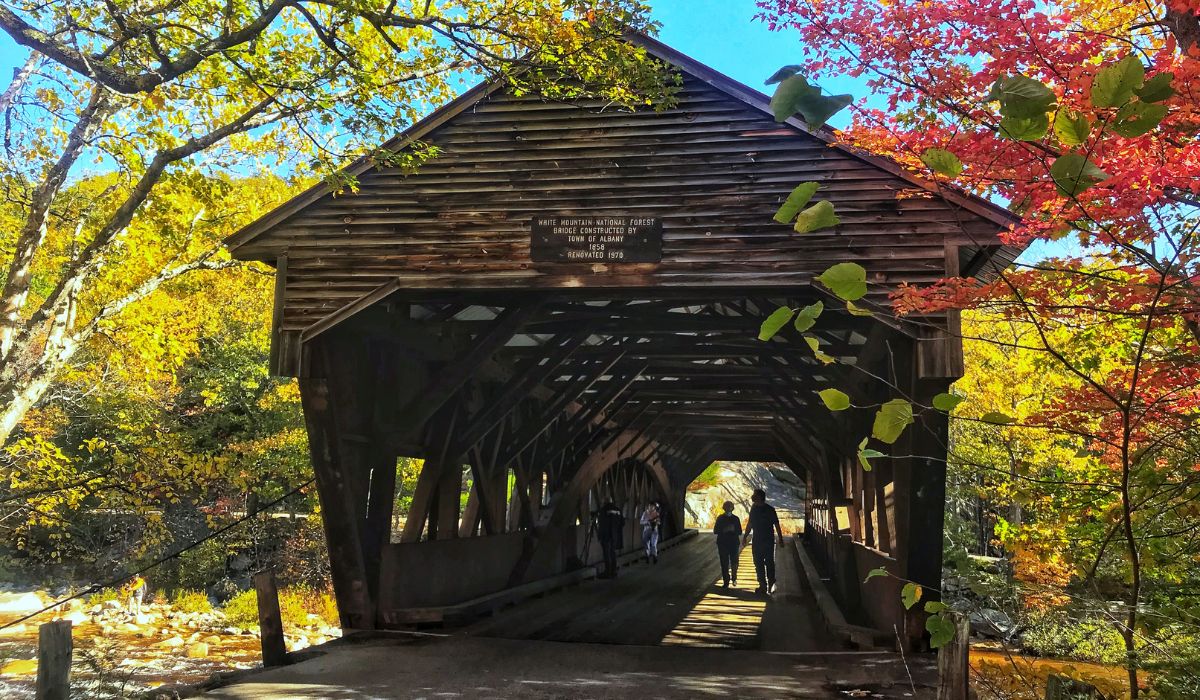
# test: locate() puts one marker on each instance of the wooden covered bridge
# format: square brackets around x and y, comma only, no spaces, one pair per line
[562,308]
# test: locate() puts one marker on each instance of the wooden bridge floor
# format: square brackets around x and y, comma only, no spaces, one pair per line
[695,640]
[677,602]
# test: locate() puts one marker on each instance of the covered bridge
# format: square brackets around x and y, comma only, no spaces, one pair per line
[562,307]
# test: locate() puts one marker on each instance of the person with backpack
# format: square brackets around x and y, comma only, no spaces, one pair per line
[651,520]
[728,529]
[610,528]
[763,523]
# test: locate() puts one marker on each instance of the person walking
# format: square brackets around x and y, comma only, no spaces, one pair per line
[651,520]
[136,589]
[763,524]
[610,530]
[728,529]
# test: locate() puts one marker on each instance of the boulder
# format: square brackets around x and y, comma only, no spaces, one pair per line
[96,609]
[173,642]
[142,619]
[20,602]
[198,650]
[129,627]
[994,624]
[20,667]
[212,639]
[233,631]
[76,617]
[111,604]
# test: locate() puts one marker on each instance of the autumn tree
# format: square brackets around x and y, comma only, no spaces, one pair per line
[124,111]
[1082,116]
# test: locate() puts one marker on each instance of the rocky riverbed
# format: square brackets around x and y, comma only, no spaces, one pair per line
[118,654]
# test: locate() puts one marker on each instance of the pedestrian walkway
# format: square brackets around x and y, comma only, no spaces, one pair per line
[677,602]
[666,630]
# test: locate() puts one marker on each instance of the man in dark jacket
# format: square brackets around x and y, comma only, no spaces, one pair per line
[728,530]
[610,527]
[763,523]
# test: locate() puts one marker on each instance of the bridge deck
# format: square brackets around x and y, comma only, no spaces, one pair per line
[677,602]
[663,631]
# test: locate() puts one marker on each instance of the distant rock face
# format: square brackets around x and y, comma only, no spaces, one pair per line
[784,489]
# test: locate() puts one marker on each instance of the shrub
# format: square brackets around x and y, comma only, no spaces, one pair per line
[242,610]
[292,608]
[1057,634]
[191,602]
[200,566]
[304,560]
[103,595]
[295,604]
[321,604]
[326,607]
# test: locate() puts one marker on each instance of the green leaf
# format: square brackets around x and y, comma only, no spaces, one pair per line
[815,346]
[807,316]
[1137,118]
[856,310]
[782,74]
[1024,128]
[947,402]
[818,216]
[1114,85]
[1158,88]
[1021,97]
[817,109]
[847,280]
[933,607]
[796,201]
[881,571]
[790,92]
[865,457]
[941,630]
[1072,128]
[910,594]
[942,161]
[835,400]
[1074,173]
[891,420]
[795,95]
[997,418]
[773,323]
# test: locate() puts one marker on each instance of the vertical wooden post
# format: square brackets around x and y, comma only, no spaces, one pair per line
[954,662]
[54,661]
[270,626]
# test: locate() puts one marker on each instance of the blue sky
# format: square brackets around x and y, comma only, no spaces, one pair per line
[720,33]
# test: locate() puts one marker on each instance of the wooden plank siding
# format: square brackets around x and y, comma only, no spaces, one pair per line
[712,167]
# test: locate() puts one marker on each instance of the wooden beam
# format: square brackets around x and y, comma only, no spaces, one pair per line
[341,517]
[451,378]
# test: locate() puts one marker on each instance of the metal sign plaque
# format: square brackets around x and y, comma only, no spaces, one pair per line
[595,239]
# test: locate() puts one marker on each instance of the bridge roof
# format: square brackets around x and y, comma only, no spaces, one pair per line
[669,346]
